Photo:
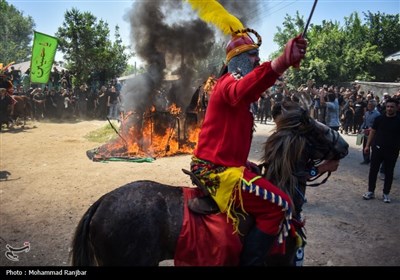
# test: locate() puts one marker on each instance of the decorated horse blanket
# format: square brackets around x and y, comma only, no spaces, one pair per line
[209,240]
[206,240]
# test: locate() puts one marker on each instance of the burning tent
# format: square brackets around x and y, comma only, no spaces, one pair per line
[156,128]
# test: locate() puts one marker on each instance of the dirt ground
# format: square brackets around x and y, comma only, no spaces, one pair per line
[52,183]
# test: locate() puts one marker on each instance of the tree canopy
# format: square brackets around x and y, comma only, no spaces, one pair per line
[340,53]
[16,32]
[88,50]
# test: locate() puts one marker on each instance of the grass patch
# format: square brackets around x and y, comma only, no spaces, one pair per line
[103,134]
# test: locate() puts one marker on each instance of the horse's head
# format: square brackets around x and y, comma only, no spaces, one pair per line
[325,143]
[297,142]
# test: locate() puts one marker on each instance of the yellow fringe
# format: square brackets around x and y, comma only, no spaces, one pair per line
[230,210]
[227,193]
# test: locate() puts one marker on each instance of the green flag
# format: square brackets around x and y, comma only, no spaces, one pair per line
[43,51]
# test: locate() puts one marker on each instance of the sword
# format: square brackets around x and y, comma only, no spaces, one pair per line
[309,19]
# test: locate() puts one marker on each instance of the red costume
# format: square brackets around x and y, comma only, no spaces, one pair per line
[226,134]
[223,147]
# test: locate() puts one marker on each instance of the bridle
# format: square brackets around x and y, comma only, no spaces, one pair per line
[329,153]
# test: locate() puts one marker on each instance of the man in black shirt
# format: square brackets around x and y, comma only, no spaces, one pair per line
[384,140]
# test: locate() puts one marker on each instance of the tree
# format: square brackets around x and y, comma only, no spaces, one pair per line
[16,33]
[359,56]
[336,53]
[114,61]
[90,55]
[291,28]
[384,32]
[325,54]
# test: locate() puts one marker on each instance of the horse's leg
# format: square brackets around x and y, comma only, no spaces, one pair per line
[8,120]
[24,115]
[11,122]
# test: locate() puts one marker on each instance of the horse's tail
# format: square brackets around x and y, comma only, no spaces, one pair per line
[82,253]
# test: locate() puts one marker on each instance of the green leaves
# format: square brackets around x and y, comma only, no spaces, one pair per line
[16,33]
[86,45]
[344,52]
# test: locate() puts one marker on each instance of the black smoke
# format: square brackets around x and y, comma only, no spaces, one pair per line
[169,38]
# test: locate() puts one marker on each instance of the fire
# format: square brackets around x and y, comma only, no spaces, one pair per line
[152,134]
[174,110]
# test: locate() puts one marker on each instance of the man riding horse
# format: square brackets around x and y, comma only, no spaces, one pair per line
[220,158]
[8,90]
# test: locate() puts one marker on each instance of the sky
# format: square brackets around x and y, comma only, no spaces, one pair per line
[48,15]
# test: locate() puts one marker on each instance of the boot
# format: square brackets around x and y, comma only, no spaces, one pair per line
[256,247]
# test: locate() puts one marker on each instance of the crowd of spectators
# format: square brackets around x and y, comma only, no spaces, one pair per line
[60,100]
[350,109]
[341,108]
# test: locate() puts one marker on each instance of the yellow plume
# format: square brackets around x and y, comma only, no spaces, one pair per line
[213,12]
[3,69]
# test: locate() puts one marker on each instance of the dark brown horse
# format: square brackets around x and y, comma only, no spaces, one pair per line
[139,224]
[22,109]
[22,106]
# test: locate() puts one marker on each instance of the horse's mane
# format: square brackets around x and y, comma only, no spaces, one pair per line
[285,150]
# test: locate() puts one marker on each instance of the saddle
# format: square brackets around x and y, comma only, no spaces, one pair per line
[205,204]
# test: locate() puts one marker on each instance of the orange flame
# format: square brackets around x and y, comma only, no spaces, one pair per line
[161,134]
